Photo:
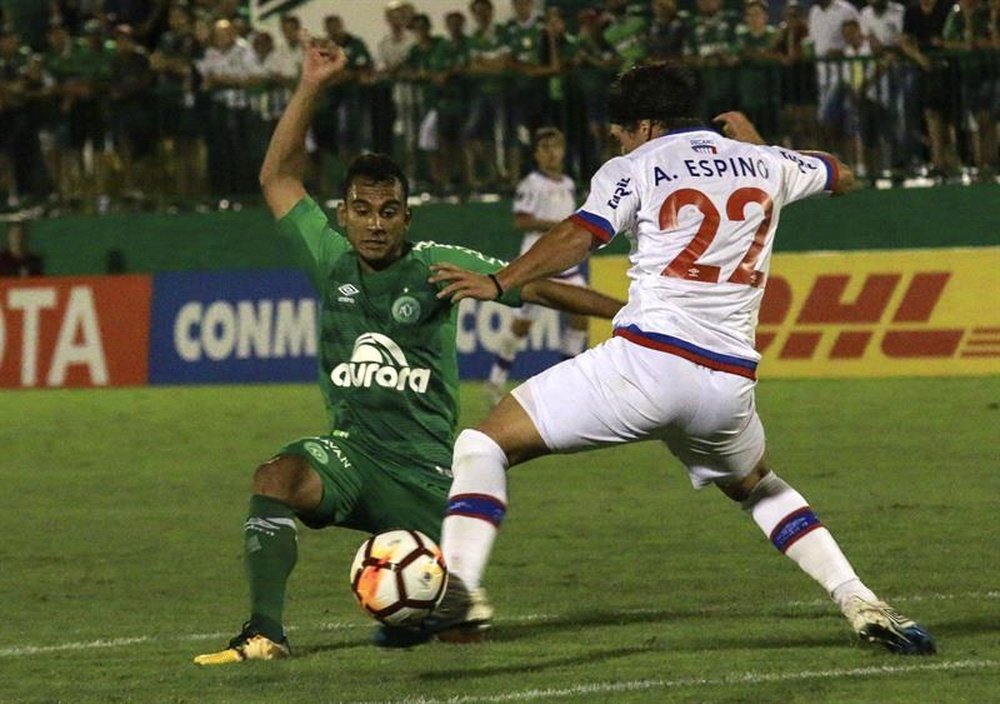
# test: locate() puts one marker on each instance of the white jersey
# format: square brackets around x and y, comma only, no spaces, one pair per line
[700,211]
[545,198]
[885,28]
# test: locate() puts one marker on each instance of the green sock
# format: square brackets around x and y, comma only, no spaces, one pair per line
[271,547]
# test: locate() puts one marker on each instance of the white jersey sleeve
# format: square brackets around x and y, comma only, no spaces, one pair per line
[613,202]
[804,175]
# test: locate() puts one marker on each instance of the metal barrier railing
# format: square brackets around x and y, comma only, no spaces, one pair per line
[464,134]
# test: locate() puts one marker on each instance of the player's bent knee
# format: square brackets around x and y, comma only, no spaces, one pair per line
[472,447]
[289,479]
[739,490]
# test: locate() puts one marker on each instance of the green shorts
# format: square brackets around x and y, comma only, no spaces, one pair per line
[368,495]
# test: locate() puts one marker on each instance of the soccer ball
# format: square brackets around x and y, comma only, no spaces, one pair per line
[399,576]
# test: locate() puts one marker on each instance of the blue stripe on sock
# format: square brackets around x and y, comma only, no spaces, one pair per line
[794,526]
[482,506]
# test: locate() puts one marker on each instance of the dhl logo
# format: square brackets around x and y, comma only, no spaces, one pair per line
[906,338]
[928,312]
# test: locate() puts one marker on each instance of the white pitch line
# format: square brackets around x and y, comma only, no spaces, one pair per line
[748,678]
[24,650]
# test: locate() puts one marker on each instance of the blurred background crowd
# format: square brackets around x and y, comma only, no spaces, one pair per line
[132,104]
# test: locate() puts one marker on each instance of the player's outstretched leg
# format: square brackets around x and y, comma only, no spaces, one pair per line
[878,623]
[463,616]
[270,553]
[477,503]
[785,517]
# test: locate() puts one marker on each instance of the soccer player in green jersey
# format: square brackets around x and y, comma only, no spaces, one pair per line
[388,368]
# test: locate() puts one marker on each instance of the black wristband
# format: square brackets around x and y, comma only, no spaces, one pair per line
[496,282]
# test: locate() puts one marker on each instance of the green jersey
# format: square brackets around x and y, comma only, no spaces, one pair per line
[388,364]
[524,42]
[712,35]
[359,60]
[488,44]
[627,35]
[425,59]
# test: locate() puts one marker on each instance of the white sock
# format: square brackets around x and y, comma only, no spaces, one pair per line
[477,503]
[573,342]
[785,517]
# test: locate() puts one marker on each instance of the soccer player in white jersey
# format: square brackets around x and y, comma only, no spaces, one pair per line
[544,198]
[700,211]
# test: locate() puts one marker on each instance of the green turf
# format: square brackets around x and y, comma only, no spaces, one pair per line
[120,558]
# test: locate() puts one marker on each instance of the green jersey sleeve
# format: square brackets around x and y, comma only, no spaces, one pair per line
[469,259]
[317,246]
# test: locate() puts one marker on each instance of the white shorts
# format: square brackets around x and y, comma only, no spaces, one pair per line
[622,392]
[427,133]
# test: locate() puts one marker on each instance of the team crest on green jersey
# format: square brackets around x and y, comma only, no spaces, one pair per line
[406,309]
[316,451]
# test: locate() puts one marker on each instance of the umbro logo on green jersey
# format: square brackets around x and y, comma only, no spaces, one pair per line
[347,293]
[377,360]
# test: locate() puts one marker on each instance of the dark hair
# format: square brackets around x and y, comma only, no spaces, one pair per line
[664,93]
[378,168]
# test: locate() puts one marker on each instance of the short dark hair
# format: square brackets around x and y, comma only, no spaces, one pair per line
[377,168]
[664,93]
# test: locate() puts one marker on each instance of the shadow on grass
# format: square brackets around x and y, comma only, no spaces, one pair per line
[678,642]
[599,656]
[308,650]
[690,638]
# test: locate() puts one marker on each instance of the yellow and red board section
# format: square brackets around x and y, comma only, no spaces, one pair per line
[916,312]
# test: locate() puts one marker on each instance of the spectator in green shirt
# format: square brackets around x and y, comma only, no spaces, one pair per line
[18,131]
[526,90]
[713,51]
[667,33]
[348,102]
[489,57]
[425,67]
[972,27]
[448,61]
[626,32]
[133,124]
[594,67]
[759,78]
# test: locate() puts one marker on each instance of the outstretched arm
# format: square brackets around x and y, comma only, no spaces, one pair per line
[283,171]
[736,125]
[581,300]
[563,246]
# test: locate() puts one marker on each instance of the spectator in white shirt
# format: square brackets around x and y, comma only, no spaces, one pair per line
[228,67]
[826,18]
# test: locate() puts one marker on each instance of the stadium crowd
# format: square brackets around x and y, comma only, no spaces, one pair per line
[108,104]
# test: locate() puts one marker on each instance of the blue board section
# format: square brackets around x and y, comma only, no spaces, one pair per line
[480,327]
[260,326]
[241,326]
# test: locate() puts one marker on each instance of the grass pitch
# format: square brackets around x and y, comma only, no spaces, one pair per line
[120,559]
